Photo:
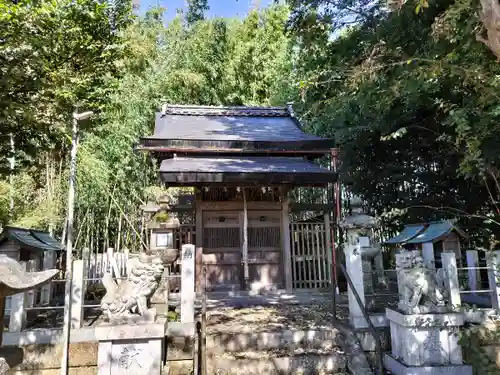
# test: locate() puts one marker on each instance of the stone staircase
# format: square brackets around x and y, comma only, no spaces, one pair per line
[261,340]
[244,336]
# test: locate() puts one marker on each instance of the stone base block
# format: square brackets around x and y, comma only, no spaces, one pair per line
[398,368]
[407,309]
[359,321]
[131,349]
[422,340]
[148,317]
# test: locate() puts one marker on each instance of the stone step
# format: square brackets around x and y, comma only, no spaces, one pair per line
[222,342]
[267,363]
[285,341]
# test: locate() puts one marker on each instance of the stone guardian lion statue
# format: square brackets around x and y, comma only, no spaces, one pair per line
[132,296]
[422,288]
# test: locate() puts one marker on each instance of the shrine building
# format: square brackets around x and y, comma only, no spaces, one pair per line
[243,162]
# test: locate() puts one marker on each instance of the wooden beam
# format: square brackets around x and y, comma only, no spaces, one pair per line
[324,207]
[199,243]
[294,206]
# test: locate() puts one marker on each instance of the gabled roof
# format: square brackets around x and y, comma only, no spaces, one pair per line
[408,232]
[433,231]
[31,238]
[436,231]
[231,128]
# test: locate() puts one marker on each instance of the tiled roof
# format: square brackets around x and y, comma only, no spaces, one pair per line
[241,165]
[435,232]
[244,124]
[408,232]
[426,232]
[244,170]
[32,238]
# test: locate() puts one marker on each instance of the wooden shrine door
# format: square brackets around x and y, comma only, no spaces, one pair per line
[222,249]
[264,249]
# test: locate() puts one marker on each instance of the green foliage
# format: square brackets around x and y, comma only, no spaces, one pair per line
[161,217]
[196,10]
[411,99]
[55,56]
[475,339]
[96,56]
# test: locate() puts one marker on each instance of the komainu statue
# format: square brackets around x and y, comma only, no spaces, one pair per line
[422,288]
[129,300]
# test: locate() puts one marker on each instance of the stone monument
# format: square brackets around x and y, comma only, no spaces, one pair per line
[131,341]
[424,327]
[13,280]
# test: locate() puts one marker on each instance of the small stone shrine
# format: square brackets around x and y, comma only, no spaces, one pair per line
[13,280]
[424,327]
[131,342]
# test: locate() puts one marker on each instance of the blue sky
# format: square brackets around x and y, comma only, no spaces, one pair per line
[218,8]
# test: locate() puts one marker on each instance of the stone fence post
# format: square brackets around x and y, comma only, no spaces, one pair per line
[473,275]
[354,268]
[449,262]
[187,283]
[49,262]
[78,294]
[19,302]
[493,260]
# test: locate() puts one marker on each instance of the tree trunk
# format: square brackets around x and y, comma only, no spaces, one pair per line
[490,17]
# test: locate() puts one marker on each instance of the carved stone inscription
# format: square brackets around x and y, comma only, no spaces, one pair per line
[128,359]
[131,359]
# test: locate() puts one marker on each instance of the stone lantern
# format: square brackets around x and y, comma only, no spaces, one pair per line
[162,239]
[360,252]
[161,229]
[359,232]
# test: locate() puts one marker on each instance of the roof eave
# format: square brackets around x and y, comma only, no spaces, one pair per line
[321,145]
[248,178]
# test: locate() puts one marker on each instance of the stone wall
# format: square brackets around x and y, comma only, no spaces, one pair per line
[45,359]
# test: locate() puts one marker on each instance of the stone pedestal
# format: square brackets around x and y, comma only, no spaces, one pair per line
[425,344]
[131,349]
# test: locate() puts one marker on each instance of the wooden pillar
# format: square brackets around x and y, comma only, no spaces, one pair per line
[329,253]
[287,254]
[244,249]
[199,243]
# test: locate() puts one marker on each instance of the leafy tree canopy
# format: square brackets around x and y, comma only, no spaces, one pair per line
[413,100]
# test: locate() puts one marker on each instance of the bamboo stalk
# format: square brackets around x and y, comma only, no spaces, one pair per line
[118,236]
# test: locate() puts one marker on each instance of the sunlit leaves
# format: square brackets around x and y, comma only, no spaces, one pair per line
[412,100]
